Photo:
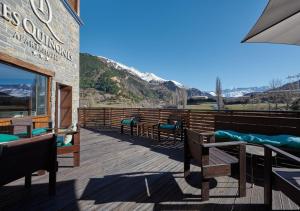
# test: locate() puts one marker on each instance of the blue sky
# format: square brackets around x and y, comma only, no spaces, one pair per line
[191,41]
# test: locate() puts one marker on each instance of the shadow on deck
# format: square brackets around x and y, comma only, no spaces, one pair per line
[120,172]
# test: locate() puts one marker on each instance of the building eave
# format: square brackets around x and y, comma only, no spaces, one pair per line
[72,12]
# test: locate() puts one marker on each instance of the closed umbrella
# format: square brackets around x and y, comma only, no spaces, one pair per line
[279,23]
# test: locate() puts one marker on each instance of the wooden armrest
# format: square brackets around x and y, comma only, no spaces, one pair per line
[208,133]
[224,144]
[283,153]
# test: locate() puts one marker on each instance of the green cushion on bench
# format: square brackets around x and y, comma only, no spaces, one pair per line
[61,144]
[35,132]
[7,138]
[128,122]
[276,140]
[167,126]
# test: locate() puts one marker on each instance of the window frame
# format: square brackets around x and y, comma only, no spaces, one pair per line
[14,62]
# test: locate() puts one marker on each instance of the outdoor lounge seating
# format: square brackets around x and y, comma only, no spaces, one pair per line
[283,132]
[65,146]
[25,127]
[23,157]
[286,180]
[174,126]
[133,121]
[213,161]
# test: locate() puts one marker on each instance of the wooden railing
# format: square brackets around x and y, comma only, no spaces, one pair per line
[198,120]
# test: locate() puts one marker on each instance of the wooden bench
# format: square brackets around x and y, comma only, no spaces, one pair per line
[286,180]
[23,157]
[174,120]
[259,123]
[213,161]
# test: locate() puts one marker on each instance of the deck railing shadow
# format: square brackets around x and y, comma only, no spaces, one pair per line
[174,150]
[209,206]
[17,197]
[143,187]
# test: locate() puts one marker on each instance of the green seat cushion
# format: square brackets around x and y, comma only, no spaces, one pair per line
[60,142]
[7,138]
[64,145]
[276,140]
[35,132]
[167,126]
[128,122]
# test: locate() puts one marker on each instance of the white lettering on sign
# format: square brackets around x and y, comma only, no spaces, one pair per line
[43,11]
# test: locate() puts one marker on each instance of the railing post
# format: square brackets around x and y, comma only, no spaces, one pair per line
[104,116]
[84,117]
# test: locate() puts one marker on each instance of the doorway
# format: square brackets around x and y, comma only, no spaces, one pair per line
[63,111]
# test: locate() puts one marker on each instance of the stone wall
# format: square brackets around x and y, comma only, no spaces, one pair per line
[26,34]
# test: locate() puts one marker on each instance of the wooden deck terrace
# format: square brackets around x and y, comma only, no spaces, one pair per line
[122,172]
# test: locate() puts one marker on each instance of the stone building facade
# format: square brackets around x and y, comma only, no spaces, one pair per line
[43,34]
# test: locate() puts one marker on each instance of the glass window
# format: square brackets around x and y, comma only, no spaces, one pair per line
[22,93]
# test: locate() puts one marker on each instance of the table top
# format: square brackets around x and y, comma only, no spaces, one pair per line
[150,124]
[257,150]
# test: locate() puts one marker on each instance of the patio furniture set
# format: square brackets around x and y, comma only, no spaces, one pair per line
[173,126]
[26,148]
[209,150]
[206,149]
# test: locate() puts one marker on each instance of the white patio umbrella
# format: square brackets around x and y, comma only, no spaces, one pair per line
[279,23]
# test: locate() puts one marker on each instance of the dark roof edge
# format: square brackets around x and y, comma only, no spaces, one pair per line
[72,12]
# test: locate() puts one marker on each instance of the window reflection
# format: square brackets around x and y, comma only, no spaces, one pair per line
[22,93]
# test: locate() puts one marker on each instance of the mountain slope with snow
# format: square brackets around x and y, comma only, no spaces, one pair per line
[146,76]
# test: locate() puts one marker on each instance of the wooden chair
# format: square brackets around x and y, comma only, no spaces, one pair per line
[286,180]
[26,127]
[213,161]
[133,121]
[74,146]
[23,157]
[174,125]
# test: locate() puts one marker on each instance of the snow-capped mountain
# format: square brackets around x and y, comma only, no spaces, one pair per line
[240,92]
[146,76]
[19,90]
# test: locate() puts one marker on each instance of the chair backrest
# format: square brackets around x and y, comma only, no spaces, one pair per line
[268,125]
[194,141]
[174,119]
[21,124]
[136,117]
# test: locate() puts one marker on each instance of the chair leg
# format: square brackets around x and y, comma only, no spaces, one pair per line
[52,183]
[205,189]
[268,179]
[131,130]
[76,157]
[242,171]
[158,135]
[187,166]
[28,181]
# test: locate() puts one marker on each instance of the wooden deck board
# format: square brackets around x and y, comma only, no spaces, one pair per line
[114,173]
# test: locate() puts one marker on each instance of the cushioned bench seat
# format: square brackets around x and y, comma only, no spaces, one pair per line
[128,122]
[35,132]
[168,126]
[287,141]
[4,138]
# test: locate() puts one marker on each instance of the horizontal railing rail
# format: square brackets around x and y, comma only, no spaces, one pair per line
[199,120]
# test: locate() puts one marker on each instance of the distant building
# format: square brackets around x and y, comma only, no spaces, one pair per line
[39,60]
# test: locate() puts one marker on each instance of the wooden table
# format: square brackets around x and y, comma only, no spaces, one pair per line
[149,127]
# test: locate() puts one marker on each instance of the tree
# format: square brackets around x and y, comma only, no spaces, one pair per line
[220,102]
[275,92]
